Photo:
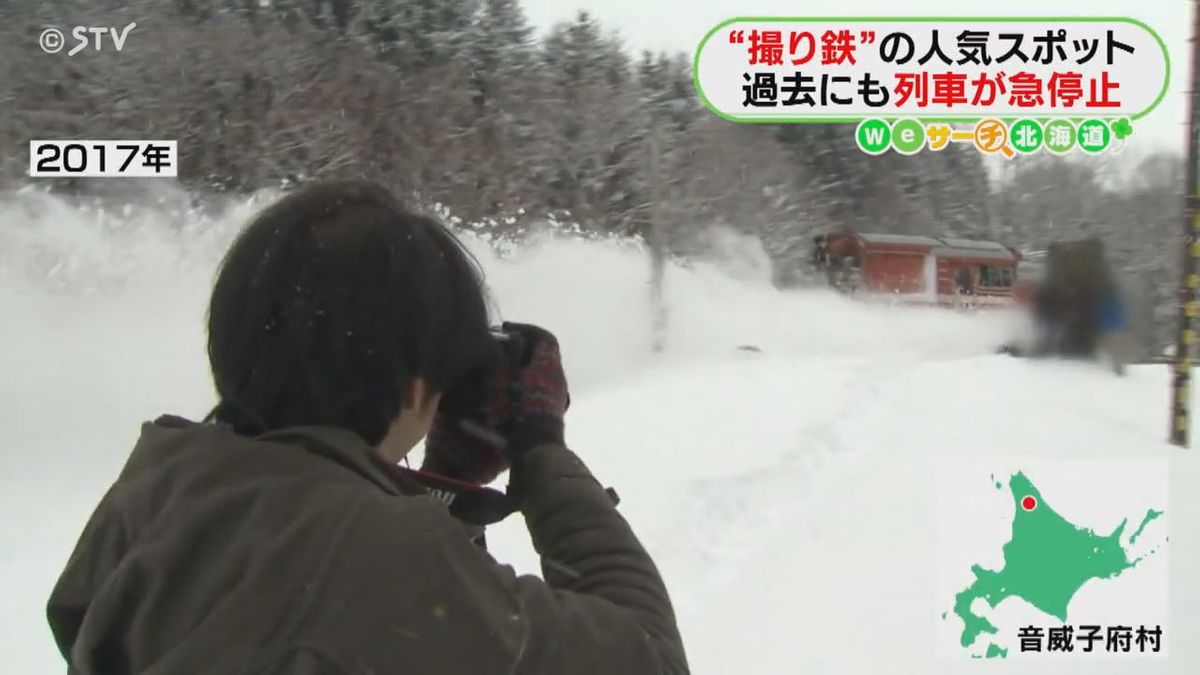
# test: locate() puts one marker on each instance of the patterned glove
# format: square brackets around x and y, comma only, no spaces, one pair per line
[485,424]
[537,394]
[464,443]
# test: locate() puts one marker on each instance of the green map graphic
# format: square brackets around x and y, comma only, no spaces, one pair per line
[1047,561]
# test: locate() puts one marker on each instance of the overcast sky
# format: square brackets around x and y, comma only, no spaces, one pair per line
[678,25]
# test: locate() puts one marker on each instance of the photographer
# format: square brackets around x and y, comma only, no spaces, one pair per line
[280,536]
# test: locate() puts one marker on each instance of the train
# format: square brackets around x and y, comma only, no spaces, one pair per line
[912,269]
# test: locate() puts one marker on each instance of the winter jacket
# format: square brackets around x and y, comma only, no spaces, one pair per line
[1112,315]
[303,552]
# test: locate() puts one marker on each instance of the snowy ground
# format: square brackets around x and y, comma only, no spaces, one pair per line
[785,494]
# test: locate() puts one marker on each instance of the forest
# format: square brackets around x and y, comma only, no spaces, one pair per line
[463,105]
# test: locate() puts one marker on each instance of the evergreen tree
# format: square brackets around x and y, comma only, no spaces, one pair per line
[587,74]
[499,47]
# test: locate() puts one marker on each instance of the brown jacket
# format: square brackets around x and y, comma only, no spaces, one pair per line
[302,552]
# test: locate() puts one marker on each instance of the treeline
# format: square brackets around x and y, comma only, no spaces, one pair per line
[456,102]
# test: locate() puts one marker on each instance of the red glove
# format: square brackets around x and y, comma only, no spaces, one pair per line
[538,395]
[486,423]
[463,443]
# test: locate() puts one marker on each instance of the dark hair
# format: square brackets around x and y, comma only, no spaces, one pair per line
[331,302]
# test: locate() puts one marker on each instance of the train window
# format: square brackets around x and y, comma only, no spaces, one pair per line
[995,276]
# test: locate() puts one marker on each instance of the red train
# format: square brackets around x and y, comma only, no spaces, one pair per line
[919,270]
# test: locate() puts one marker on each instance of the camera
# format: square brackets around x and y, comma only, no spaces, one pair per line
[504,355]
[512,346]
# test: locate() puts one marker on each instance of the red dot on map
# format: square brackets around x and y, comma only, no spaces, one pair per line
[1029,503]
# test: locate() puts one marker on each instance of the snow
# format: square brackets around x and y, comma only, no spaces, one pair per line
[786,494]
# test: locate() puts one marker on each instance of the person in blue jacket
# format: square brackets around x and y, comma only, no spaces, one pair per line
[1112,329]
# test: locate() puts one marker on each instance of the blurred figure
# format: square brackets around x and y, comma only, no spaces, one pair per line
[1076,308]
[1115,344]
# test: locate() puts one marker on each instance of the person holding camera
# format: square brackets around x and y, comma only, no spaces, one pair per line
[280,535]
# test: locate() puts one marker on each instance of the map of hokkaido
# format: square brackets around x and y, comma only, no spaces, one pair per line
[1097,583]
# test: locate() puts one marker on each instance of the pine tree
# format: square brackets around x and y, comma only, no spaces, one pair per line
[840,176]
[587,74]
[500,130]
[498,47]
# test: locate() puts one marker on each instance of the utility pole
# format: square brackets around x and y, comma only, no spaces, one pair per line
[1189,289]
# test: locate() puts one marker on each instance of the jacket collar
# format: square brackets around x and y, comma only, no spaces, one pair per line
[474,506]
[341,446]
[349,450]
